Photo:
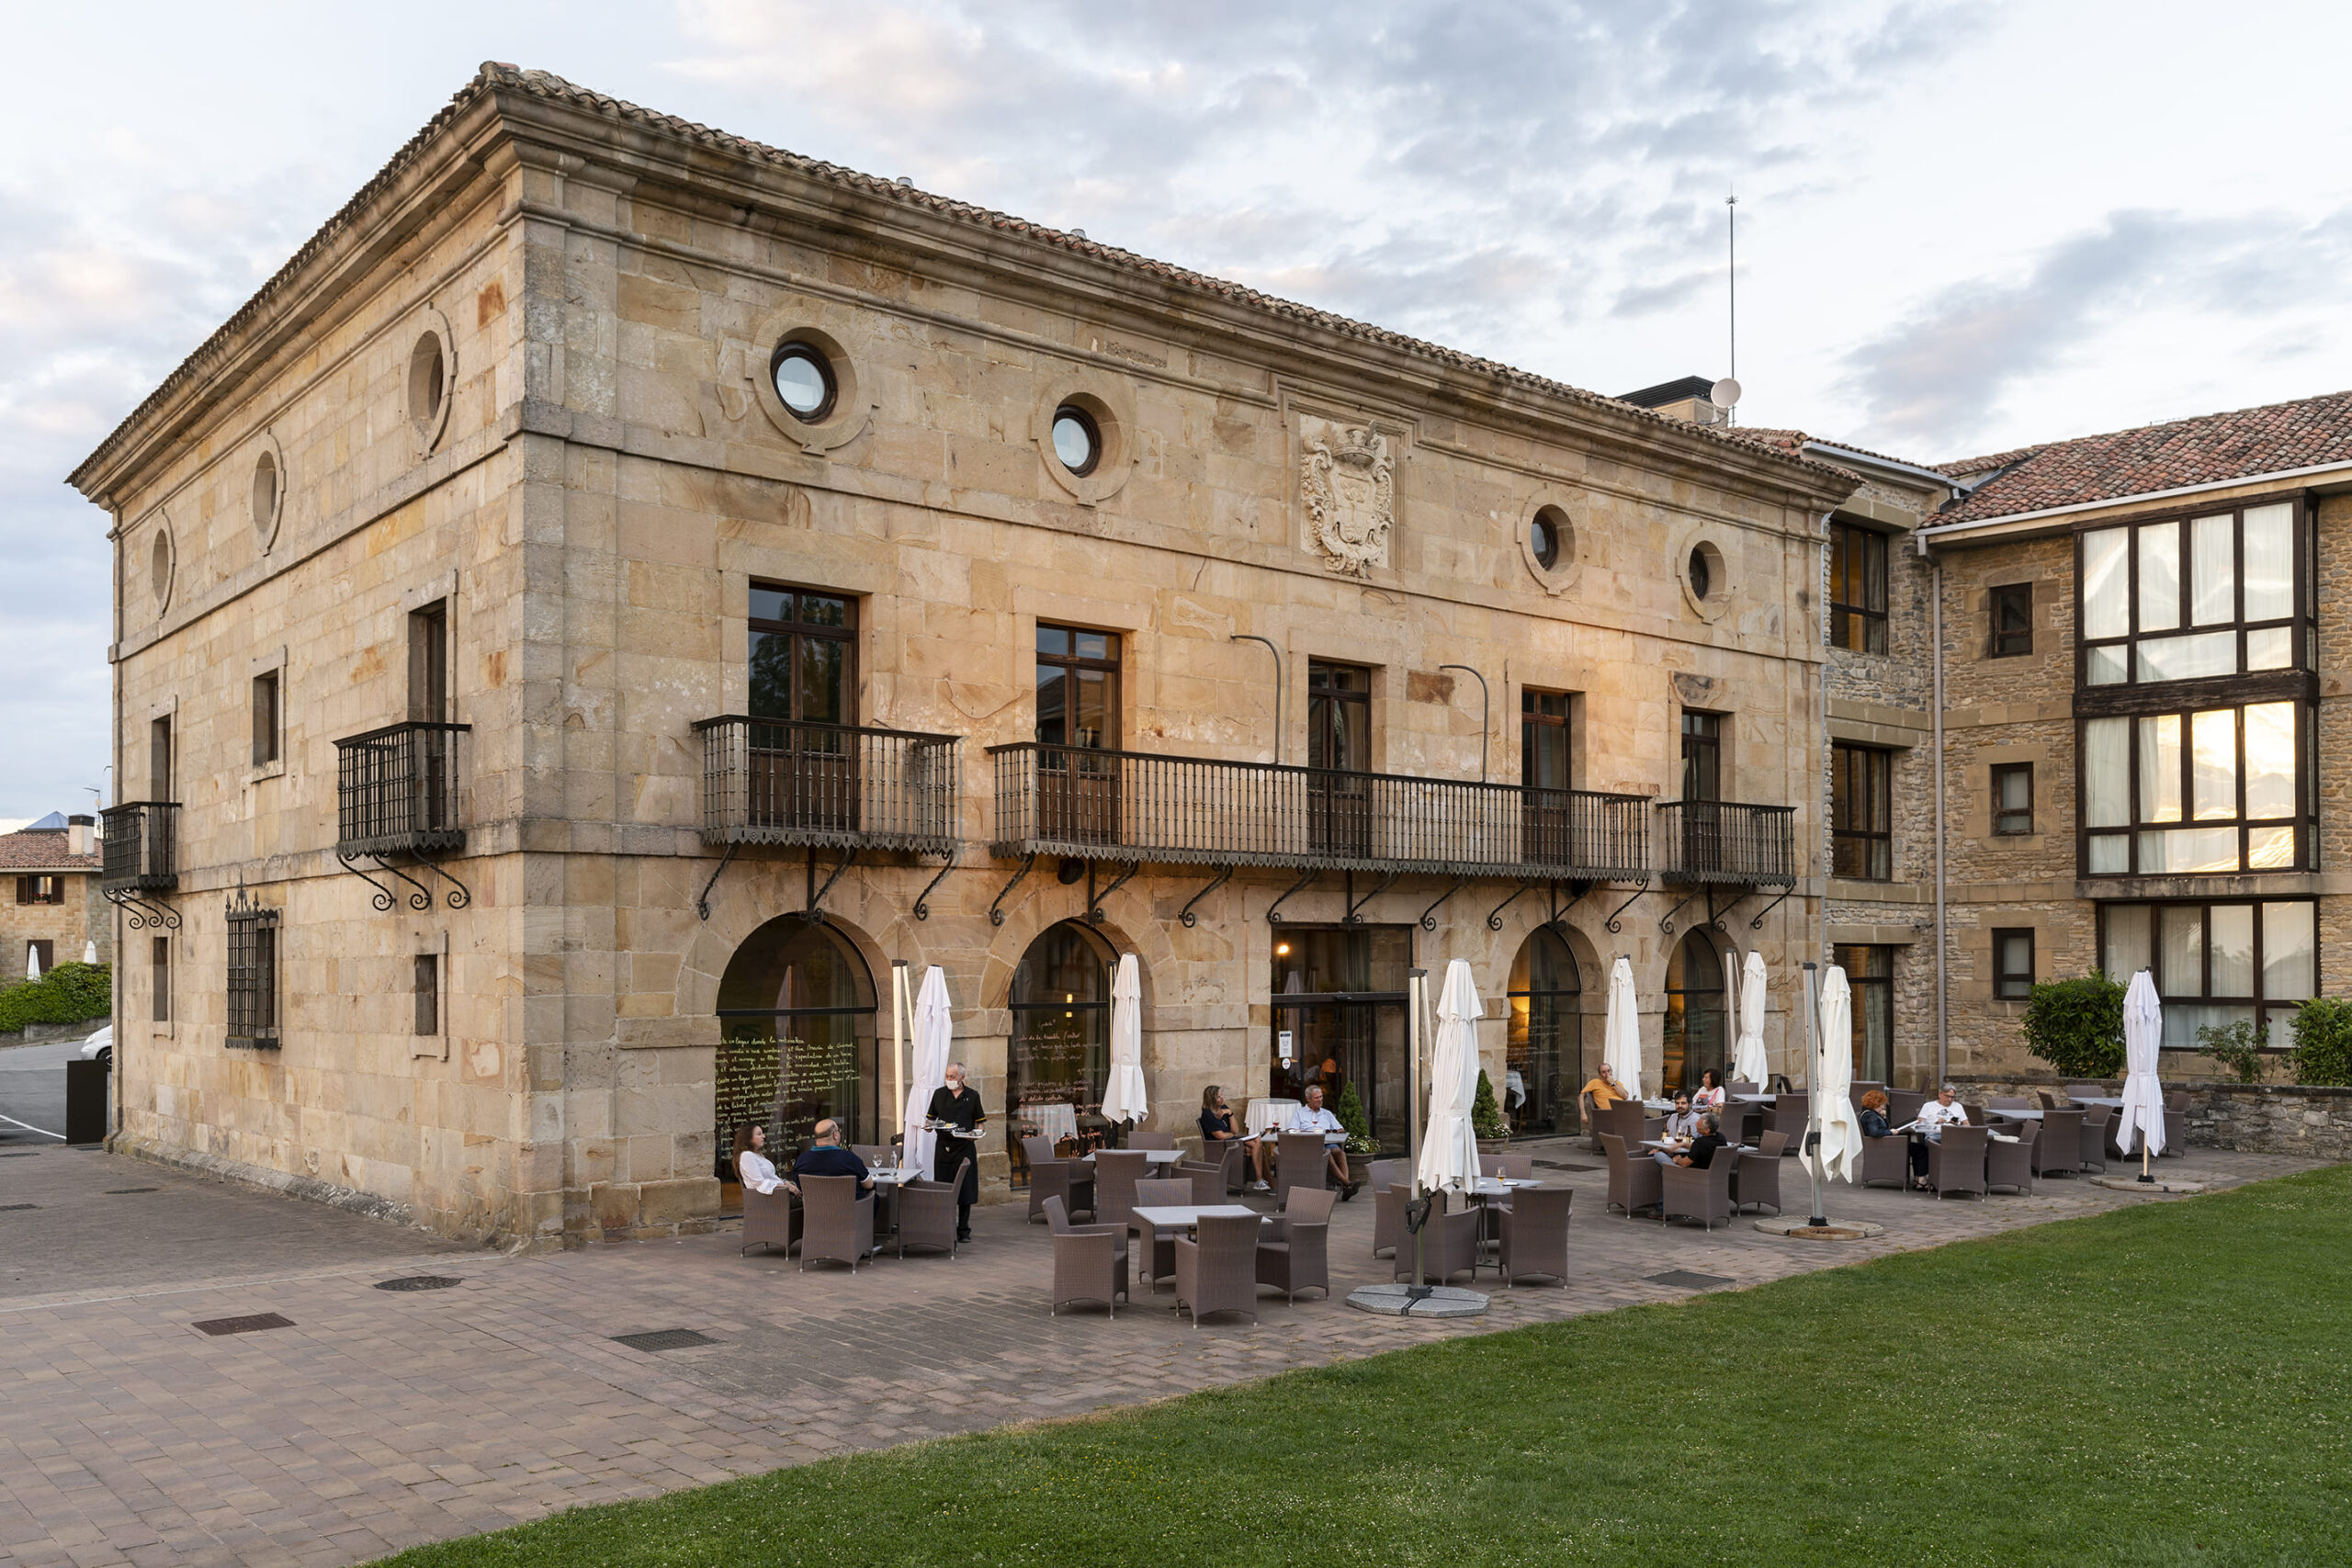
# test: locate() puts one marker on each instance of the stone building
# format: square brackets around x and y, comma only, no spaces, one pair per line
[49,908]
[621,588]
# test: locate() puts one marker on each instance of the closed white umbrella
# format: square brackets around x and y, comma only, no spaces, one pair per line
[1747,1063]
[89,953]
[935,1032]
[2143,1098]
[1450,1150]
[1833,1087]
[1123,1097]
[32,962]
[1621,1036]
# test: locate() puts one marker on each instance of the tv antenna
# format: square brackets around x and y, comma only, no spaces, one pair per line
[1724,394]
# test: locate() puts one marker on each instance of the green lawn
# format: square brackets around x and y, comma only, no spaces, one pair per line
[2166,1383]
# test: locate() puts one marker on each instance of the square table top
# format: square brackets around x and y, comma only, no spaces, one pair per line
[1151,1156]
[1175,1215]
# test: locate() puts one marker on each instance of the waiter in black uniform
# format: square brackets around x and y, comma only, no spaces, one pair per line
[956,1104]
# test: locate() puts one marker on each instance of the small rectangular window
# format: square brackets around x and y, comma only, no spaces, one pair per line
[40,890]
[2013,797]
[1856,589]
[428,993]
[2012,620]
[265,719]
[160,978]
[2013,964]
[428,663]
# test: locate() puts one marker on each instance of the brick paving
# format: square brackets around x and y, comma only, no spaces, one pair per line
[381,1420]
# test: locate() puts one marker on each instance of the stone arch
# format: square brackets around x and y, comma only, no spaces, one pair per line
[800,1023]
[1695,1032]
[755,889]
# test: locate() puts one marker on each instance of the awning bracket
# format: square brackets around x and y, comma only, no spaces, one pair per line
[1094,900]
[1757,923]
[383,898]
[815,913]
[1615,928]
[923,904]
[1221,878]
[702,905]
[140,913]
[996,909]
[458,896]
[1274,910]
[1494,916]
[1666,925]
[1355,916]
[1429,915]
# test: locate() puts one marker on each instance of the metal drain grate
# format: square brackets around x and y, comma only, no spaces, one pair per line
[664,1339]
[260,1320]
[126,1191]
[420,1282]
[1683,1279]
[11,1208]
[19,1154]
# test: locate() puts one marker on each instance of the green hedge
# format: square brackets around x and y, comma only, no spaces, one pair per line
[70,993]
[2076,1025]
[2322,1053]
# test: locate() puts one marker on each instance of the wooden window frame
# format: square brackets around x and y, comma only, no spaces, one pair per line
[1869,575]
[1068,663]
[2156,703]
[798,630]
[2009,770]
[2003,978]
[2000,642]
[159,980]
[41,888]
[2204,996]
[268,715]
[2300,623]
[1878,844]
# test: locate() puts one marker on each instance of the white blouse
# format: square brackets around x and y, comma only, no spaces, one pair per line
[758,1171]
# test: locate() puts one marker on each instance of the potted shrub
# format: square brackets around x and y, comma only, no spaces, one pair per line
[1349,1110]
[1487,1117]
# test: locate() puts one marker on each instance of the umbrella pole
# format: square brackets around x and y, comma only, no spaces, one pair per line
[1416,983]
[1813,1043]
[898,1050]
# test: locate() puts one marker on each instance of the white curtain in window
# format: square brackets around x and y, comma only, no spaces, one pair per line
[2180,949]
[2159,577]
[2288,946]
[2160,768]
[2229,934]
[2106,773]
[2127,940]
[2214,764]
[2270,562]
[2270,648]
[2270,760]
[2212,543]
[2189,658]
[2107,601]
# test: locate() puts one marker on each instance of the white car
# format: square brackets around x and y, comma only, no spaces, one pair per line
[99,1047]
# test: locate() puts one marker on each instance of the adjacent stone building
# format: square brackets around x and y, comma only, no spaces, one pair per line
[49,908]
[621,589]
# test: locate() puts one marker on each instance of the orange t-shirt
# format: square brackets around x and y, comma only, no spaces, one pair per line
[1603,1094]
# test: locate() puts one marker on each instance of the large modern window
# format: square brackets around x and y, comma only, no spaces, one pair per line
[1861,812]
[2217,595]
[796,1041]
[1870,974]
[1059,1061]
[1856,589]
[1544,1046]
[1339,1015]
[2011,633]
[2216,789]
[2217,963]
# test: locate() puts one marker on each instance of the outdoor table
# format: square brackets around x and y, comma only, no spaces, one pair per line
[1757,1099]
[2018,1115]
[1260,1114]
[1055,1119]
[1188,1216]
[2111,1102]
[1151,1156]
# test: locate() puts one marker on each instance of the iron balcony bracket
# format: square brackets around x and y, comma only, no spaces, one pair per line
[1757,923]
[1221,878]
[140,913]
[1494,916]
[383,897]
[1639,888]
[702,904]
[1429,915]
[1354,916]
[1274,910]
[1665,926]
[996,909]
[1715,918]
[1094,900]
[459,895]
[422,899]
[815,913]
[923,904]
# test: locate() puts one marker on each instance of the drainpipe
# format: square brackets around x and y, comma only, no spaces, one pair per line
[1935,635]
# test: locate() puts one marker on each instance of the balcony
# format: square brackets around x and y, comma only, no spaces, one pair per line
[397,791]
[1126,806]
[828,785]
[141,848]
[1723,842]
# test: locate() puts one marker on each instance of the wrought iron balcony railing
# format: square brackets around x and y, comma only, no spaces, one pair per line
[1723,841]
[840,787]
[398,789]
[141,847]
[1070,801]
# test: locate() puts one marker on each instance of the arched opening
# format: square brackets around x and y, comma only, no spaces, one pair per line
[1059,1059]
[795,1039]
[1544,1056]
[1698,1013]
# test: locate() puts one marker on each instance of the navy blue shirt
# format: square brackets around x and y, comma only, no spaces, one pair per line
[1211,1125]
[829,1159]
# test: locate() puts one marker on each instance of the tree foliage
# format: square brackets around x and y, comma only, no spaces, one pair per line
[2076,1025]
[1485,1115]
[2322,1031]
[69,993]
[2237,1046]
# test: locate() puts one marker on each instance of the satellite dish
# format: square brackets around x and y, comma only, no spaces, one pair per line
[1724,394]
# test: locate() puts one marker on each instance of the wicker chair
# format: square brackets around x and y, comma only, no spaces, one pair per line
[1702,1195]
[1299,1162]
[2059,1150]
[836,1222]
[926,1217]
[1631,1122]
[1449,1245]
[1297,1255]
[1860,1087]
[1218,1272]
[1887,1159]
[1154,1248]
[2177,1121]
[1535,1235]
[1741,1086]
[2009,1102]
[872,1153]
[1902,1106]
[1389,1216]
[2082,1090]
[1116,1171]
[1071,1181]
[1956,1161]
[1209,1180]
[1734,1119]
[1232,1160]
[770,1218]
[1787,1117]
[1090,1261]
[1632,1176]
[1151,1139]
[2094,1121]
[2011,1165]
[1757,1179]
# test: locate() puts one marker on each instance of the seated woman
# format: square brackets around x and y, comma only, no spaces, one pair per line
[1217,1131]
[1710,1091]
[1874,1125]
[757,1171]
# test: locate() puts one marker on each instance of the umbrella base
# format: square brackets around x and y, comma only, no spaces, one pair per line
[2134,1184]
[1805,1230]
[1418,1301]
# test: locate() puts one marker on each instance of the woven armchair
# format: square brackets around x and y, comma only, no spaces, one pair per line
[1116,1171]
[1207,1179]
[1741,1086]
[1787,1116]
[836,1221]
[1756,1178]
[1632,1176]
[926,1217]
[1298,1255]
[1956,1161]
[1388,1202]
[1219,1272]
[1734,1119]
[1535,1235]
[770,1218]
[2094,1121]
[1231,1158]
[1887,1159]
[1050,1176]
[2011,1165]
[1154,1248]
[1090,1261]
[1307,1208]
[1151,1139]
[1449,1245]
[1902,1106]
[1702,1195]
[2009,1102]
[2059,1150]
[1299,1161]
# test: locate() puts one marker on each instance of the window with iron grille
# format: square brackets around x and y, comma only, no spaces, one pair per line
[252,975]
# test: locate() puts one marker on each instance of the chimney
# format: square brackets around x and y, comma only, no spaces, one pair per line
[78,835]
[1685,399]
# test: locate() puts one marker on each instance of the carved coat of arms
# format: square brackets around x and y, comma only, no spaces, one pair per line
[1347,483]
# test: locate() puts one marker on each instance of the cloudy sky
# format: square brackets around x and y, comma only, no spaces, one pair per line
[1963,224]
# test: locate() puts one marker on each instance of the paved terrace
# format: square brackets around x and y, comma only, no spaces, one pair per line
[379,1420]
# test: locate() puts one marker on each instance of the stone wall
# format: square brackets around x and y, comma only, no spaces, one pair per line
[2311,1121]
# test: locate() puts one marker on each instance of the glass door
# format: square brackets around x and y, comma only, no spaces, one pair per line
[1077,730]
[1339,1006]
[1545,837]
[1339,753]
[804,684]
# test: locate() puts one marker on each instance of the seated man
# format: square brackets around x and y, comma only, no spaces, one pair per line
[1702,1148]
[1944,1110]
[1604,1089]
[826,1157]
[1684,1122]
[1312,1118]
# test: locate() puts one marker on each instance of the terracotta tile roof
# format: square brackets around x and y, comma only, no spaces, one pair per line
[494,77]
[2212,449]
[1987,463]
[31,850]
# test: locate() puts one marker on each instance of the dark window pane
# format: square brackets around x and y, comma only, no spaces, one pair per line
[824,665]
[1053,639]
[819,610]
[1052,719]
[771,693]
[1093,708]
[771,603]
